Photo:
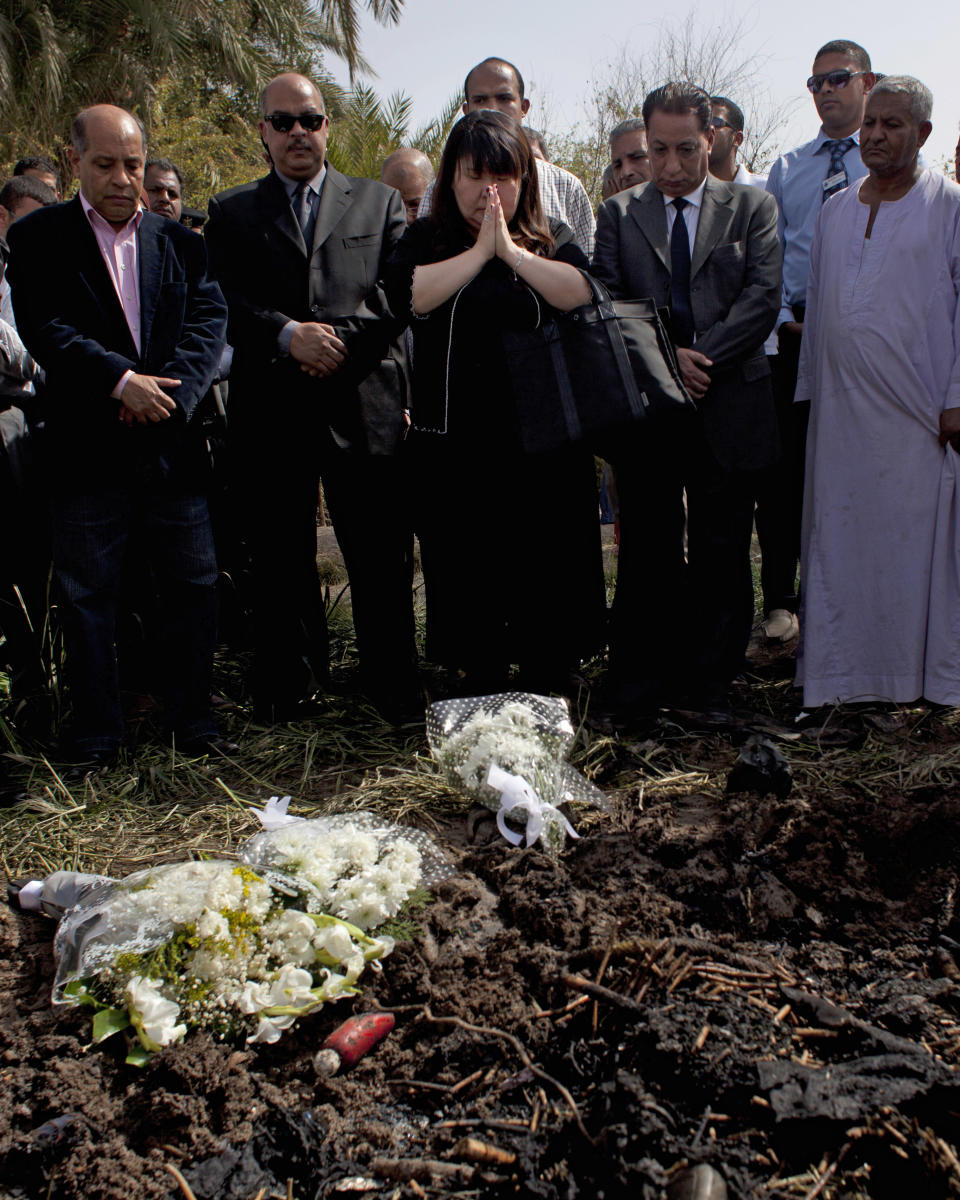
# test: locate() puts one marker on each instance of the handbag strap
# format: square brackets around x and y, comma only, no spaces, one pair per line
[568,403]
[635,398]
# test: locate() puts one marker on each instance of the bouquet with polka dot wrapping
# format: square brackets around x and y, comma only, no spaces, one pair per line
[508,751]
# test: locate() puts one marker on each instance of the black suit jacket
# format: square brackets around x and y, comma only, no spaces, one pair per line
[71,320]
[258,254]
[734,292]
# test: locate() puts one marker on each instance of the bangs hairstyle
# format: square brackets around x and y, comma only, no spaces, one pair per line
[488,141]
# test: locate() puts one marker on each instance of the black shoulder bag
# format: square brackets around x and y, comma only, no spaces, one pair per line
[582,375]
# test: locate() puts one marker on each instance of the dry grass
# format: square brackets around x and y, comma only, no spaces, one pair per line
[159,805]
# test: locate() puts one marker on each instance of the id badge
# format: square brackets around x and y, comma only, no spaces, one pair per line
[835,183]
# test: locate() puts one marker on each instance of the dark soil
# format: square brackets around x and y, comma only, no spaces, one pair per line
[778,998]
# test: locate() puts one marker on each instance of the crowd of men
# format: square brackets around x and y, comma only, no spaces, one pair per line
[829,287]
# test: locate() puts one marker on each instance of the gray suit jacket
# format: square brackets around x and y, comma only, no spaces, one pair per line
[258,255]
[735,296]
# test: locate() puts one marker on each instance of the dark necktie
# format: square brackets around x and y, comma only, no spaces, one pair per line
[303,210]
[837,150]
[681,312]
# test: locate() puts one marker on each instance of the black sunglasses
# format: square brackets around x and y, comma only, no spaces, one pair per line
[283,122]
[836,79]
[720,123]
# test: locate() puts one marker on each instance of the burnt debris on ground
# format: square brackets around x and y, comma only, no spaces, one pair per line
[764,985]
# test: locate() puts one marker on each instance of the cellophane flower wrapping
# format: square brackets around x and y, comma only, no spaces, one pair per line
[525,735]
[240,949]
[356,867]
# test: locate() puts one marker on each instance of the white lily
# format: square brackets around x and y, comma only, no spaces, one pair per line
[152,1014]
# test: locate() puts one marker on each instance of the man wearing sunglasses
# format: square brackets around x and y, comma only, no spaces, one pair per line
[296,252]
[802,181]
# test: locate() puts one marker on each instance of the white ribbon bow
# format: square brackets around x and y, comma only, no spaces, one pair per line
[515,792]
[274,814]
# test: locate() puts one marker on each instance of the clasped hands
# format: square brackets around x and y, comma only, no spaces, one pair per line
[693,371]
[143,400]
[317,348]
[494,239]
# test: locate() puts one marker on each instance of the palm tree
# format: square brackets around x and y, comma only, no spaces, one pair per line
[369,128]
[57,57]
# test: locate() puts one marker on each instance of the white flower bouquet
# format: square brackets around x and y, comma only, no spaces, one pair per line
[508,751]
[245,949]
[355,867]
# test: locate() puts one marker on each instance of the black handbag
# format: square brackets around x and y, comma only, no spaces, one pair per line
[584,375]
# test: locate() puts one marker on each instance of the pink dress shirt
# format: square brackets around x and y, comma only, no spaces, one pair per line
[119,250]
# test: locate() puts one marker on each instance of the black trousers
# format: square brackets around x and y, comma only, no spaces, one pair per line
[276,482]
[780,488]
[680,622]
[91,537]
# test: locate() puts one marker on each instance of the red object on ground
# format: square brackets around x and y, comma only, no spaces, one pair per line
[350,1041]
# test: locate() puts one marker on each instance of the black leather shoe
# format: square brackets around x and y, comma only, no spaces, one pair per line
[208,744]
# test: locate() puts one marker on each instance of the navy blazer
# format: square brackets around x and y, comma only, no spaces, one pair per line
[71,320]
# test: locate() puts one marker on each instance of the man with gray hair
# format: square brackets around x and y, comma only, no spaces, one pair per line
[629,157]
[880,366]
[410,172]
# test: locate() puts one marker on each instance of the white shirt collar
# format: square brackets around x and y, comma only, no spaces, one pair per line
[694,198]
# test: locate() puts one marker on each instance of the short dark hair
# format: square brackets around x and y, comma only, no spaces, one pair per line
[734,111]
[25,187]
[630,125]
[850,49]
[78,131]
[35,162]
[490,141]
[535,136]
[163,164]
[486,63]
[679,97]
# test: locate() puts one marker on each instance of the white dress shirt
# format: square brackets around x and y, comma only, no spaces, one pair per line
[748,179]
[691,213]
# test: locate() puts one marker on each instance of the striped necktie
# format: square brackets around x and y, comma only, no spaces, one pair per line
[303,210]
[837,150]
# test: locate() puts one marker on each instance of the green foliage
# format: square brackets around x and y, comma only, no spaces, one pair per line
[403,927]
[138,1055]
[369,128]
[55,59]
[211,136]
[109,1021]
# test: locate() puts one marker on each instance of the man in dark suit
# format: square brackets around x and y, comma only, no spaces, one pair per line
[298,252]
[709,251]
[129,336]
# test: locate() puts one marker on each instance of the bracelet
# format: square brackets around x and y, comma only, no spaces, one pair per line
[516,265]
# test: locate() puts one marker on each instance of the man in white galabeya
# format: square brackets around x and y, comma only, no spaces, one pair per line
[880,365]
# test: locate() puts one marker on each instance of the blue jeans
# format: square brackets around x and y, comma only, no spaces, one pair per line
[90,538]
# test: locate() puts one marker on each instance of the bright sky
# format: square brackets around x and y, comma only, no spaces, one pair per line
[429,52]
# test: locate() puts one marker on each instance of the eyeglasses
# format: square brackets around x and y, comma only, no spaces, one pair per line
[836,79]
[283,122]
[720,123]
